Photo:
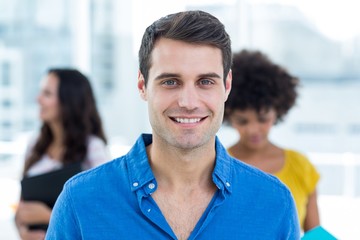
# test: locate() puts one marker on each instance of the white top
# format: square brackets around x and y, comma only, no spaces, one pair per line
[97,154]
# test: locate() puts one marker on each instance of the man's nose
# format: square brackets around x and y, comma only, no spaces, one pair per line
[188,97]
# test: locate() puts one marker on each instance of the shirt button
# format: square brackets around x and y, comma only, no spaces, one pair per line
[135,184]
[151,186]
[227,184]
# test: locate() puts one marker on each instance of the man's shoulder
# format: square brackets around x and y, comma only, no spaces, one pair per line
[101,173]
[257,179]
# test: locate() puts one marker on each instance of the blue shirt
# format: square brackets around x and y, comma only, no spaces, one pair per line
[113,201]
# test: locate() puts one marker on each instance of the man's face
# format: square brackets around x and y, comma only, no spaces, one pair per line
[185,93]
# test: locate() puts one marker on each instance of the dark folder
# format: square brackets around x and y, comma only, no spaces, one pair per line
[47,187]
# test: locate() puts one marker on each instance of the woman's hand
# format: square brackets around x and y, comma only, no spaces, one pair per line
[26,234]
[28,213]
[33,212]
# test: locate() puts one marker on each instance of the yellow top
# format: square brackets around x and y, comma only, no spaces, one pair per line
[301,177]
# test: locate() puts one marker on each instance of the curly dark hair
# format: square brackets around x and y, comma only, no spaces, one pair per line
[79,117]
[260,84]
[195,27]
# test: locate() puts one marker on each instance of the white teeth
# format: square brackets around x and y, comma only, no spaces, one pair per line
[187,120]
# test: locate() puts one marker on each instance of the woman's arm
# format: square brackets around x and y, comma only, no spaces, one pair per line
[312,218]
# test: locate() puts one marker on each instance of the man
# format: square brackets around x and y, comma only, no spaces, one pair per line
[179,182]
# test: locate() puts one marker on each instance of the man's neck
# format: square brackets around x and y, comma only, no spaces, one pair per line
[178,169]
[185,186]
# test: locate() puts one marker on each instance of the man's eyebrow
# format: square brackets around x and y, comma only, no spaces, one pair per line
[174,75]
[209,75]
[167,75]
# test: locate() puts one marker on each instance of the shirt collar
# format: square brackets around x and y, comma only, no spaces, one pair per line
[222,175]
[140,172]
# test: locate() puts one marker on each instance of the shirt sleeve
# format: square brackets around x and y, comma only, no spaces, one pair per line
[312,176]
[305,171]
[97,152]
[63,224]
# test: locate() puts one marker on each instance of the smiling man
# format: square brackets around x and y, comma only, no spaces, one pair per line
[186,91]
[178,182]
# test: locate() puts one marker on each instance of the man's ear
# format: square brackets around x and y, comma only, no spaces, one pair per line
[141,86]
[228,83]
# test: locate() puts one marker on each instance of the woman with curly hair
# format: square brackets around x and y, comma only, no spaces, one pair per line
[262,94]
[71,133]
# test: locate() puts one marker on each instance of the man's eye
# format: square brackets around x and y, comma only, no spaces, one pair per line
[169,82]
[205,82]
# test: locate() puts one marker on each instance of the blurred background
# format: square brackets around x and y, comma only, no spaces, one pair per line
[317,40]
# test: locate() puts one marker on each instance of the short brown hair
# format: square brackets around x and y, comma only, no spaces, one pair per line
[195,27]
